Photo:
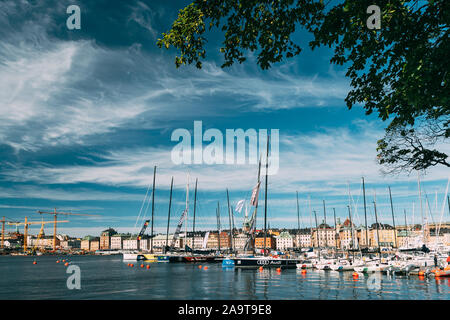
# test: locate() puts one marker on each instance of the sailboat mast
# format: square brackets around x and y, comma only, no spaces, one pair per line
[218,222]
[335,230]
[351,225]
[325,224]
[317,232]
[298,215]
[187,211]
[265,196]
[421,208]
[393,219]
[365,213]
[378,233]
[406,228]
[195,206]
[229,217]
[153,209]
[168,216]
[448,202]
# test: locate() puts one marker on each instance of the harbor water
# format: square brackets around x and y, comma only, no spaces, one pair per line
[109,277]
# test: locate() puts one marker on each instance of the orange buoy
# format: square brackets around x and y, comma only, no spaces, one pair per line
[421,273]
[260,268]
[142,265]
[303,271]
[131,265]
[34,262]
[205,268]
[64,260]
[57,261]
[148,267]
[278,269]
[200,266]
[66,264]
[355,275]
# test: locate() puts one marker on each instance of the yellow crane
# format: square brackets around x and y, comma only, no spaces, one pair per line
[25,229]
[55,214]
[41,233]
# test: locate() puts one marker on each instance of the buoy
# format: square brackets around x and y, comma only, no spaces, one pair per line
[131,265]
[421,273]
[355,275]
[34,262]
[57,261]
[142,265]
[66,264]
[260,268]
[278,269]
[148,267]
[205,268]
[200,266]
[64,260]
[303,271]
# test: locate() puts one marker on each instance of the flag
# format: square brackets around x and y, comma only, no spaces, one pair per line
[239,206]
[255,194]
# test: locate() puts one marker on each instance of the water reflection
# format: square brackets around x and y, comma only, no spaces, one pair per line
[111,278]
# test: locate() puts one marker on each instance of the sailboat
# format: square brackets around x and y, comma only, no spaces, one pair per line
[263,261]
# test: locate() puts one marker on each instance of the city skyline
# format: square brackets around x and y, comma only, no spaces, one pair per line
[85,135]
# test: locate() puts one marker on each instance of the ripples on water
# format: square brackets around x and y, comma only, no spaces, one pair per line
[108,277]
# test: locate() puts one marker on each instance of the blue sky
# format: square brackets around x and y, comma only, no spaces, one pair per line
[86,114]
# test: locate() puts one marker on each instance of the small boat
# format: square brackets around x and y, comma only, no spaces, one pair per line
[345,265]
[371,267]
[156,258]
[324,264]
[306,264]
[133,256]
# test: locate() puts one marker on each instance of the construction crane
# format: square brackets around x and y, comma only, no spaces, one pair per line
[144,227]
[41,233]
[25,229]
[55,214]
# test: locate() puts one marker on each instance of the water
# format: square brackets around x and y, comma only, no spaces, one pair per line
[108,277]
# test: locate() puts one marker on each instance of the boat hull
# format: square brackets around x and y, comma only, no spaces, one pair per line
[265,263]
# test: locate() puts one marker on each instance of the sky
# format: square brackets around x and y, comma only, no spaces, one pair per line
[85,115]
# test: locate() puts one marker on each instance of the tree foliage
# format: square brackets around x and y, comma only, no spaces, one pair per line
[400,71]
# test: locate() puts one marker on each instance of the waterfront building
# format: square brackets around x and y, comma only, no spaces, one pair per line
[259,242]
[130,243]
[213,241]
[90,243]
[362,236]
[196,241]
[43,242]
[225,240]
[159,242]
[324,236]
[12,243]
[284,241]
[95,245]
[240,240]
[116,241]
[105,238]
[144,244]
[303,239]
[70,244]
[386,234]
